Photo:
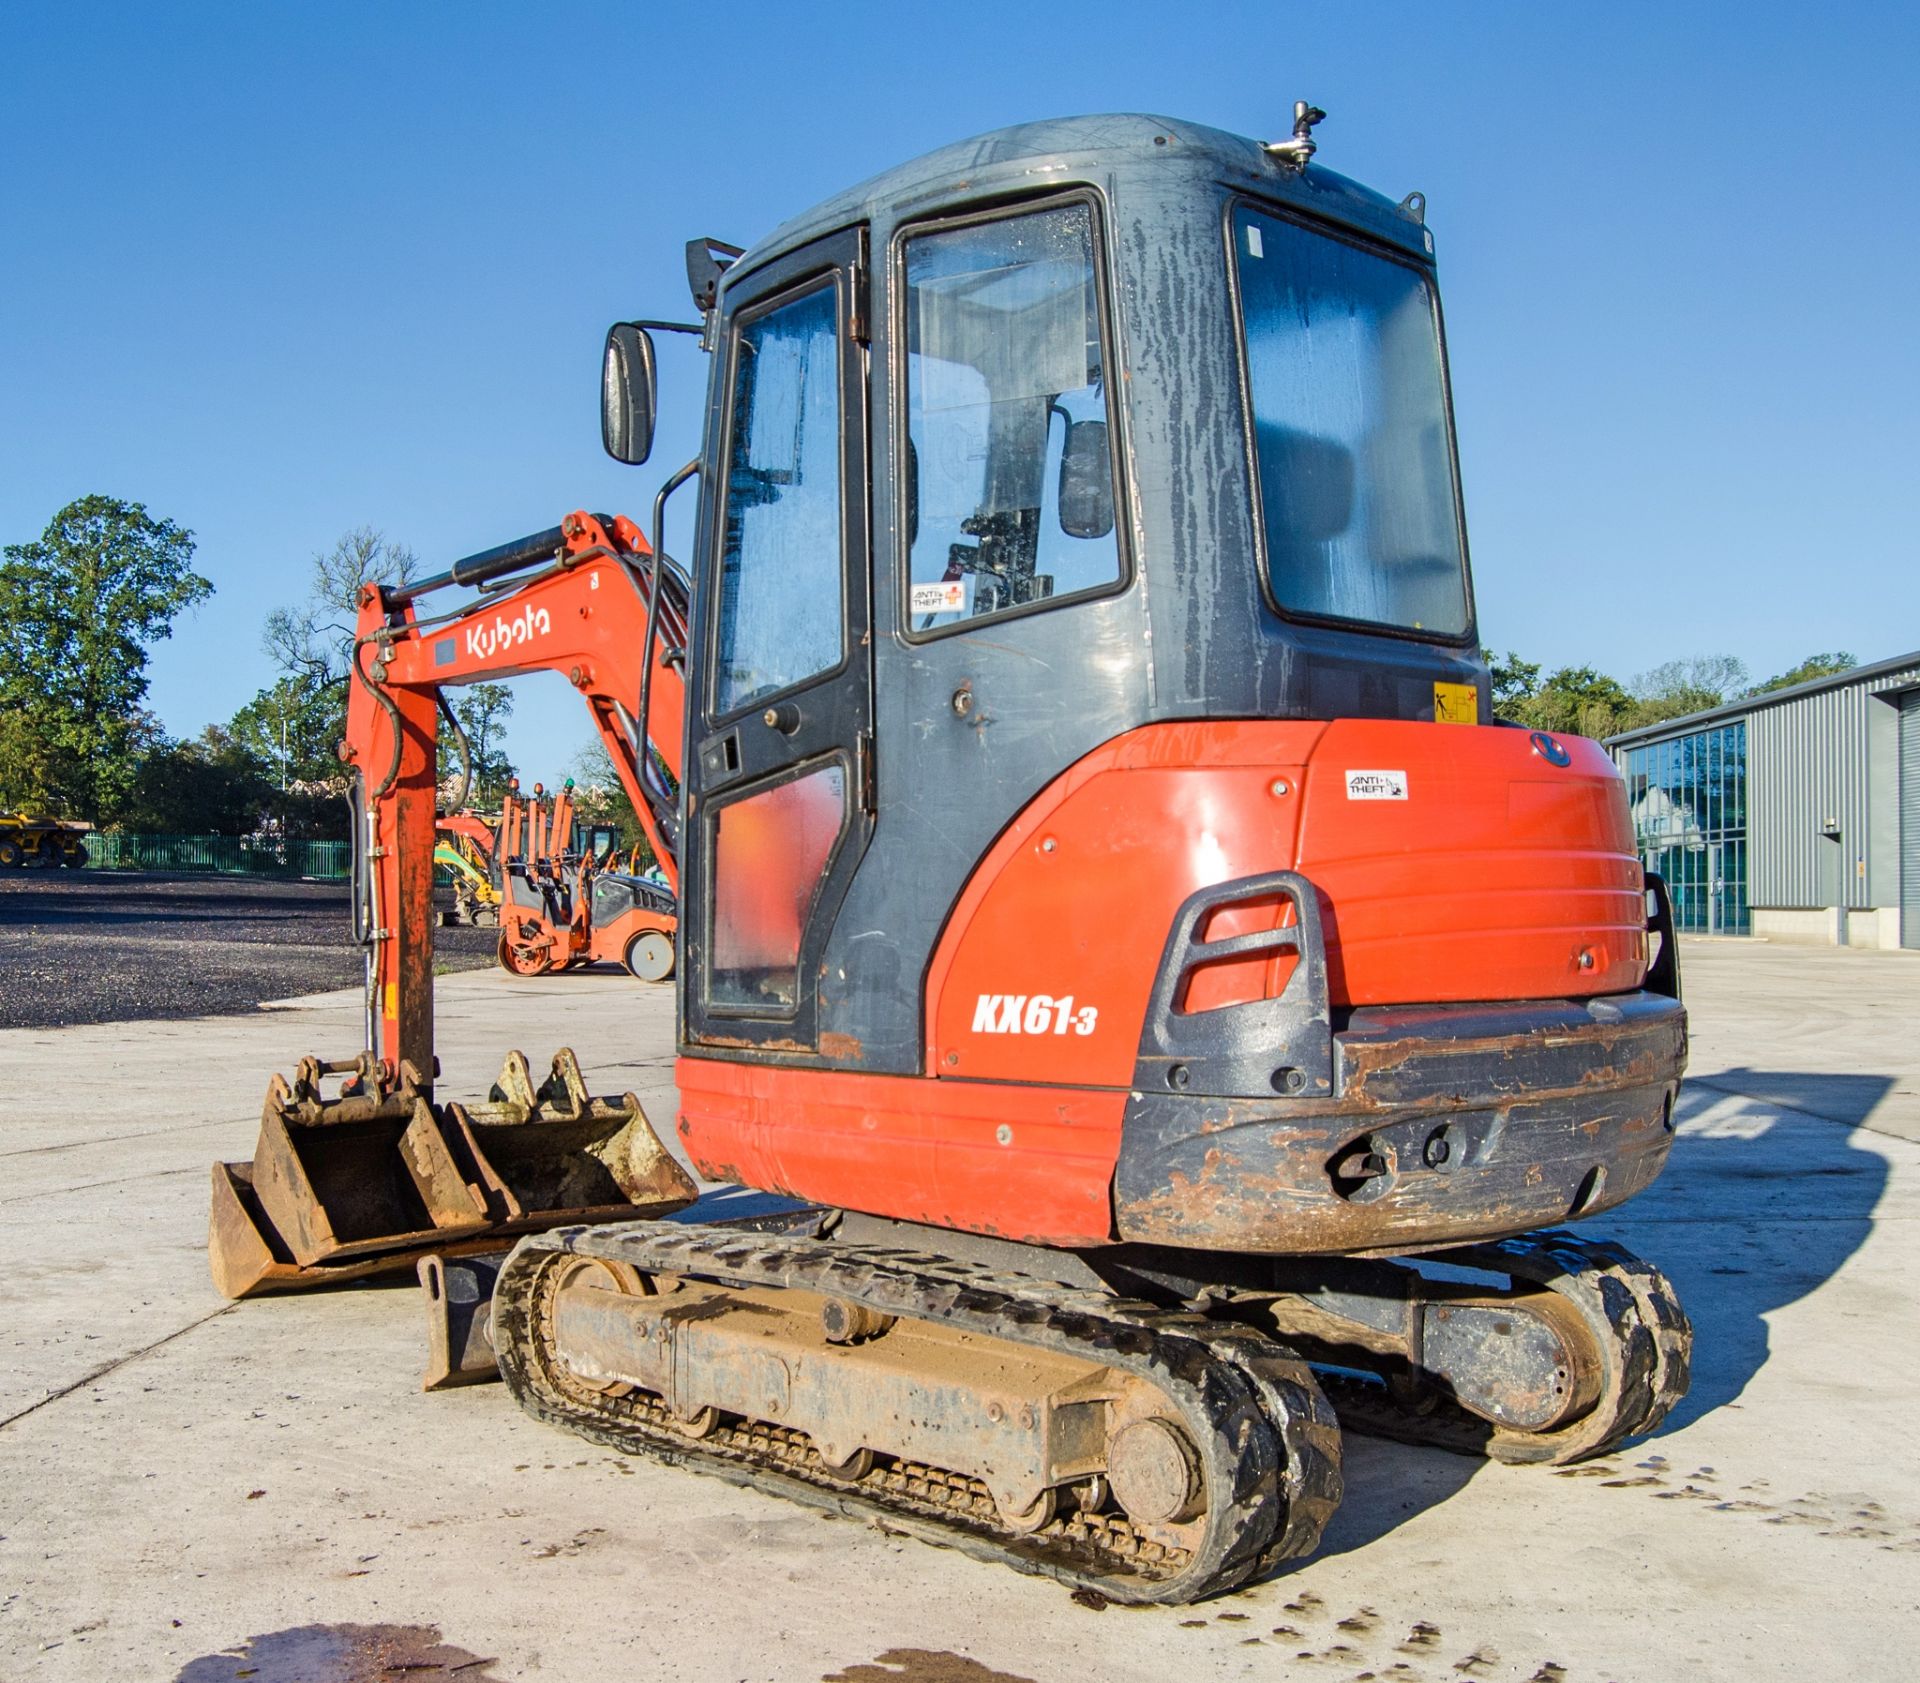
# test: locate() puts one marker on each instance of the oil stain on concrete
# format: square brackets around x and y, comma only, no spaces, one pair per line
[343,1654]
[922,1665]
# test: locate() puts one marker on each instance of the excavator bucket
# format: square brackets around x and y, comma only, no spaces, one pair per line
[553,1154]
[359,1175]
[378,1176]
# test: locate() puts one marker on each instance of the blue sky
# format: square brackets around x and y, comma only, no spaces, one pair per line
[278,271]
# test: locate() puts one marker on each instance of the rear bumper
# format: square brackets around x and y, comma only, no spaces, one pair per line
[1437,1125]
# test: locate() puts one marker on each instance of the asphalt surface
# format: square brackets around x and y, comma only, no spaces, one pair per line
[114,946]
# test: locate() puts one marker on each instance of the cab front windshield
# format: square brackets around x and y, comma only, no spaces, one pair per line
[1349,410]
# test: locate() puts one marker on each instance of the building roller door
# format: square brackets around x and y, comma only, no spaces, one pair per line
[1910,820]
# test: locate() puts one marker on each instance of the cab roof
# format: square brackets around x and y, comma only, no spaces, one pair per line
[1102,150]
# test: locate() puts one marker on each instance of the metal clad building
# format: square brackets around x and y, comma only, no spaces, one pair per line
[1795,814]
[1910,819]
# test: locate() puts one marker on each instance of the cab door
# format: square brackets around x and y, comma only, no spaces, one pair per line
[780,779]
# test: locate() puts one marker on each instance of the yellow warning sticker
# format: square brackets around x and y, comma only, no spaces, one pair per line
[1456,704]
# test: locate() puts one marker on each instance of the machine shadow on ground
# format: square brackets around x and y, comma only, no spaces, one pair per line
[1387,1485]
[1760,1206]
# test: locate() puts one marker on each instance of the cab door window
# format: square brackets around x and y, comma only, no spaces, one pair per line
[781,618]
[1009,464]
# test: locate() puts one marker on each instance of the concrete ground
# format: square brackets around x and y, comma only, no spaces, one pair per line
[201,1491]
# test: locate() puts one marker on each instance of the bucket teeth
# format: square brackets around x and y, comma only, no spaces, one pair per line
[377,1176]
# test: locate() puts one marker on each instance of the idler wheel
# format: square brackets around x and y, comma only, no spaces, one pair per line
[604,1273]
[1155,1472]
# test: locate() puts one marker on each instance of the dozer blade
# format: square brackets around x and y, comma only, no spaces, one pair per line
[459,1299]
[377,1177]
[249,1259]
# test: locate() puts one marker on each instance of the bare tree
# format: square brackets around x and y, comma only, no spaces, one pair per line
[311,640]
[1687,686]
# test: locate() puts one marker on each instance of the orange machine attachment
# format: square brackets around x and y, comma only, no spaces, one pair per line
[376,1175]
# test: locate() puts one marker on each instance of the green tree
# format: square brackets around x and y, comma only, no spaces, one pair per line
[1515,681]
[311,642]
[37,771]
[1814,666]
[294,727]
[1577,701]
[79,608]
[212,786]
[483,711]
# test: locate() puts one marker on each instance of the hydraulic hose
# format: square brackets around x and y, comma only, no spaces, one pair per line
[466,751]
[361,917]
[362,925]
[380,695]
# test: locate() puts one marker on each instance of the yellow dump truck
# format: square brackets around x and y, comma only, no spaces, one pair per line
[32,839]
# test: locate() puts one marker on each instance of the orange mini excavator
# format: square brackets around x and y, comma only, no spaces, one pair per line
[1107,906]
[565,902]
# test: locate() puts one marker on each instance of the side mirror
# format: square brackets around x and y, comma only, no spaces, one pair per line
[627,394]
[1311,478]
[1086,481]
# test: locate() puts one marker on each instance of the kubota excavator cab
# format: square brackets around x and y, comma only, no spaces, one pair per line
[1106,895]
[1095,826]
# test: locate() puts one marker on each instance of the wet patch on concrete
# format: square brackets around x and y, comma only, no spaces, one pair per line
[347,1654]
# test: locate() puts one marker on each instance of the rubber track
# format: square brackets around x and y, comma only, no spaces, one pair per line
[1268,1439]
[1644,1335]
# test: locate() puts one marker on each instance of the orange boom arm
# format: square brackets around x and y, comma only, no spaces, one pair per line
[579,609]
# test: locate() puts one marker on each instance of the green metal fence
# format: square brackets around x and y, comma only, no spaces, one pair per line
[250,856]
